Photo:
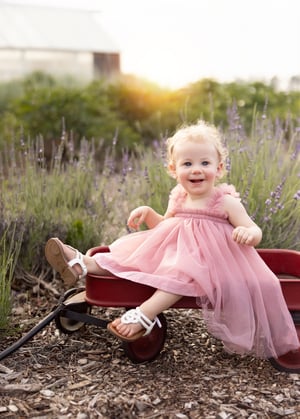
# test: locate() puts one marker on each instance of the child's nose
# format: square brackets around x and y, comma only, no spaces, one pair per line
[196,169]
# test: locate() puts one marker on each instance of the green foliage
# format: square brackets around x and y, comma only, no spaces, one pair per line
[9,252]
[129,110]
[48,202]
[44,103]
[76,231]
[156,183]
[148,109]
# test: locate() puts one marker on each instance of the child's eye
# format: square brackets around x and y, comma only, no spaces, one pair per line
[187,163]
[205,163]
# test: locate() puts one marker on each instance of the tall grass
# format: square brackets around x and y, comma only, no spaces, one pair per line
[9,252]
[86,201]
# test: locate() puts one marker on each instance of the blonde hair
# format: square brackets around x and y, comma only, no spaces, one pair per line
[197,133]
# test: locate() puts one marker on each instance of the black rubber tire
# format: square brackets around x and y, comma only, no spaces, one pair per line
[69,326]
[147,348]
[289,362]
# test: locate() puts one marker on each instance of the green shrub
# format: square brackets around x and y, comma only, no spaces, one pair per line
[127,108]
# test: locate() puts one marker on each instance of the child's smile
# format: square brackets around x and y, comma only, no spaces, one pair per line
[196,180]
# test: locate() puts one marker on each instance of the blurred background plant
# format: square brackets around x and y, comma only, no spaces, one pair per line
[139,111]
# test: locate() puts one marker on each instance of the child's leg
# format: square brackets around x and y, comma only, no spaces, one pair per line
[157,303]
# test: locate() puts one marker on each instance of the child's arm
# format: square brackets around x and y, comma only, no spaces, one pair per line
[245,231]
[144,214]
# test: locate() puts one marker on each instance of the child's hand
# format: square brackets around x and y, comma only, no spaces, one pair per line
[137,217]
[245,235]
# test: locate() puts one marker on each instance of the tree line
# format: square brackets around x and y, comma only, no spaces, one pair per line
[129,110]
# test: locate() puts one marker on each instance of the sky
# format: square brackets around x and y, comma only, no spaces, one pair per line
[176,42]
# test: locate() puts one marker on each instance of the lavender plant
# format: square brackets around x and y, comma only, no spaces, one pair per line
[87,203]
[265,168]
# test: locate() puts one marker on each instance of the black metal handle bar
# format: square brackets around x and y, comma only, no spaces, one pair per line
[32,332]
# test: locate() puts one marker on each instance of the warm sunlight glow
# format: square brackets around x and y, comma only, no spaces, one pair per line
[173,45]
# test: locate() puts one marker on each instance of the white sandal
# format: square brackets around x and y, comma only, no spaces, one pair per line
[55,255]
[135,315]
[78,259]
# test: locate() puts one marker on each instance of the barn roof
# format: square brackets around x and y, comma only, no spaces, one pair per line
[50,28]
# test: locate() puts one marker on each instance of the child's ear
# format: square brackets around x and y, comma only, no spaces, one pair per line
[220,170]
[172,170]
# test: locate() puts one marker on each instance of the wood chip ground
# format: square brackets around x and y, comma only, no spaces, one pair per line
[87,375]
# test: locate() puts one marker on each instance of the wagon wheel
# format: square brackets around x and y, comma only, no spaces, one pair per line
[148,347]
[289,362]
[74,299]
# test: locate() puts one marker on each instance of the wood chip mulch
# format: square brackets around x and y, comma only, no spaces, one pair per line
[87,374]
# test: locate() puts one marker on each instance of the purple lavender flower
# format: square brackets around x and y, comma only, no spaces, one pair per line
[297,195]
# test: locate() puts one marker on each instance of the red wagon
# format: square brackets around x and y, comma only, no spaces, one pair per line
[74,309]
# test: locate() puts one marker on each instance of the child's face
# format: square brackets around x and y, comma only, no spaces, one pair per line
[196,167]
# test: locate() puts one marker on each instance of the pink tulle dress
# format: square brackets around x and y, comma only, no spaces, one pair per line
[193,254]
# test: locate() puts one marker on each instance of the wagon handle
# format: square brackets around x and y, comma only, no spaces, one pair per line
[32,332]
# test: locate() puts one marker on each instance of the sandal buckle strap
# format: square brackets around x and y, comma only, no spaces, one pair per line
[135,315]
[79,260]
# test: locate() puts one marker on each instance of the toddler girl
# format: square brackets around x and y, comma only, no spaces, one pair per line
[204,247]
